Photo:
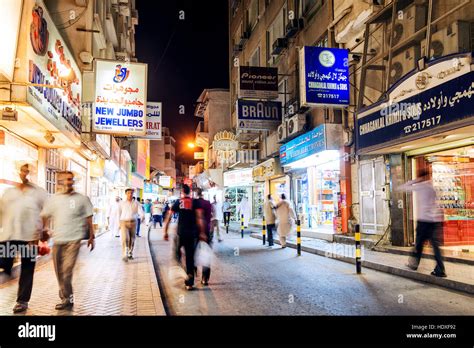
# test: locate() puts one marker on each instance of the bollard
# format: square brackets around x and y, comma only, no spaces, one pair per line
[357,251]
[227,225]
[242,225]
[298,236]
[264,230]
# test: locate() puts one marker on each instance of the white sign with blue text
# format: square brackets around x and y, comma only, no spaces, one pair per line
[120,98]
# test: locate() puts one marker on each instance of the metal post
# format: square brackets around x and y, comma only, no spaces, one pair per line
[264,230]
[298,236]
[357,251]
[242,225]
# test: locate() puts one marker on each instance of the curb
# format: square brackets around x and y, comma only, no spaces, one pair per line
[158,277]
[442,282]
[157,292]
[430,256]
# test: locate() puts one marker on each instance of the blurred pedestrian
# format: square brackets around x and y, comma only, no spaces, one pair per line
[130,212]
[216,216]
[286,217]
[269,212]
[147,210]
[157,212]
[244,209]
[113,217]
[138,220]
[20,209]
[166,210]
[206,207]
[429,220]
[191,226]
[71,213]
[226,210]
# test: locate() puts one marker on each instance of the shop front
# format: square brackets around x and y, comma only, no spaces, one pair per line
[239,185]
[312,160]
[427,123]
[13,151]
[275,182]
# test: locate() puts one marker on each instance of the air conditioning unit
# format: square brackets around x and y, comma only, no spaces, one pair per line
[245,36]
[122,56]
[281,132]
[279,45]
[293,107]
[402,64]
[294,25]
[412,19]
[296,125]
[452,39]
[237,49]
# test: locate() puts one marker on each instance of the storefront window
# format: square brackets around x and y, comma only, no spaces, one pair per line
[452,175]
[235,195]
[258,200]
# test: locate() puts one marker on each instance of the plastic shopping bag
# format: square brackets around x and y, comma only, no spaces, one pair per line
[203,255]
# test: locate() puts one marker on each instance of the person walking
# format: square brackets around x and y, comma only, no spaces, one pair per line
[286,217]
[244,209]
[226,210]
[130,212]
[166,210]
[138,220]
[429,221]
[269,212]
[72,214]
[147,209]
[216,216]
[190,228]
[20,209]
[206,207]
[157,212]
[113,217]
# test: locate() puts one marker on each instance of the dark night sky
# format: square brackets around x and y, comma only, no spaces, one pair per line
[196,58]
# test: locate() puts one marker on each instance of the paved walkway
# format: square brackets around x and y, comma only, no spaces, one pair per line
[103,283]
[460,276]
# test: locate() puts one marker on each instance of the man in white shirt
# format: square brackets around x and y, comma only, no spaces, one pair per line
[216,216]
[113,217]
[157,212]
[129,211]
[429,222]
[72,214]
[20,209]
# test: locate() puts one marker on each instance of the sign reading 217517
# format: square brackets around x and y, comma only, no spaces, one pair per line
[324,76]
[120,98]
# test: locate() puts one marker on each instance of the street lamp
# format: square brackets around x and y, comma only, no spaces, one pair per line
[191,145]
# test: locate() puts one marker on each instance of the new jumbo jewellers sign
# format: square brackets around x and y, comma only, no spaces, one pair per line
[120,98]
[409,113]
[51,63]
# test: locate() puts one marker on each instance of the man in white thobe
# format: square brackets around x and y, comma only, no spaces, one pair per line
[113,217]
[244,208]
[129,210]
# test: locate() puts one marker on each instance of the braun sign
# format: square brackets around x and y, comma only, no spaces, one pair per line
[258,114]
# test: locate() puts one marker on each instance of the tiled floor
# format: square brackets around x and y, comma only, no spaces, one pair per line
[103,284]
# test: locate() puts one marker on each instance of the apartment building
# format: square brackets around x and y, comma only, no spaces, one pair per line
[163,154]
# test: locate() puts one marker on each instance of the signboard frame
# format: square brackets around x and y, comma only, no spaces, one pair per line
[144,104]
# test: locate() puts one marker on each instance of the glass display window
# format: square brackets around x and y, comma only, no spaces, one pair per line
[452,174]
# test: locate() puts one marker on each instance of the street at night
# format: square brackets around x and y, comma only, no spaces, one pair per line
[232,171]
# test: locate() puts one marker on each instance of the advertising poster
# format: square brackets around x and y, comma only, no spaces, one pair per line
[120,98]
[258,115]
[324,76]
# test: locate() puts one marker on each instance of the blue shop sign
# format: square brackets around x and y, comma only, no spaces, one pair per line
[324,76]
[303,146]
[440,105]
[254,114]
[150,188]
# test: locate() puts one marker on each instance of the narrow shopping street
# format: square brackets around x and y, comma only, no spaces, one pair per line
[249,279]
[103,284]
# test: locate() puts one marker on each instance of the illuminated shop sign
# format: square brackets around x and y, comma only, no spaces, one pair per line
[120,98]
[324,76]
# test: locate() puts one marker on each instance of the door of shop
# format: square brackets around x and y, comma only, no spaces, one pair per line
[372,184]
